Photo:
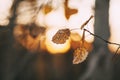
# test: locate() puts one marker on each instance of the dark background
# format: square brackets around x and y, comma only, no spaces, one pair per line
[16,63]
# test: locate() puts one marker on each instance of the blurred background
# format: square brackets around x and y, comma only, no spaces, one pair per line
[26,54]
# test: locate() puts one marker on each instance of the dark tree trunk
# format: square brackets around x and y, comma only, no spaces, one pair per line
[100,65]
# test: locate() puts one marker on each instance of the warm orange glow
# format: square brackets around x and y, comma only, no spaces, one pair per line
[114,17]
[53,47]
[61,14]
[76,42]
[56,19]
[22,35]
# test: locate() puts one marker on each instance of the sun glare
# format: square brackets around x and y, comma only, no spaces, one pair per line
[69,14]
[56,20]
[53,47]
[114,16]
[5,12]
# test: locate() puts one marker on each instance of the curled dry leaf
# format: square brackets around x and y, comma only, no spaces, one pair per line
[61,36]
[79,55]
[86,22]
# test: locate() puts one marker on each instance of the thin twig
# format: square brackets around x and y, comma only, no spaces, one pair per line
[102,38]
[116,51]
[97,36]
[83,38]
[115,55]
